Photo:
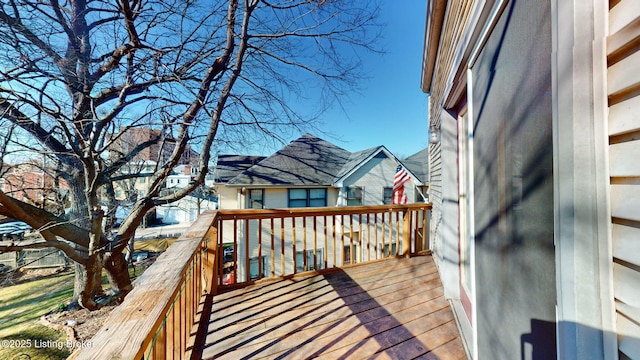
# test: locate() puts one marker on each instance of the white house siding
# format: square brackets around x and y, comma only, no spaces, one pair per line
[184,210]
[373,177]
[274,198]
[624,150]
[227,197]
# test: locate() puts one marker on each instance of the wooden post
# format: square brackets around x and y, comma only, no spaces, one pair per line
[282,247]
[247,245]
[260,270]
[159,350]
[406,233]
[209,261]
[425,223]
[273,249]
[294,240]
[326,243]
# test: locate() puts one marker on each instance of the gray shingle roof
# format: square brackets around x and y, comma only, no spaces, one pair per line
[310,161]
[230,166]
[306,161]
[418,164]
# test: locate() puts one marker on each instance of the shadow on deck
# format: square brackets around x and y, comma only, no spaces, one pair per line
[393,309]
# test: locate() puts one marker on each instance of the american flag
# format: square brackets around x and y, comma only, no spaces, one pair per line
[402,177]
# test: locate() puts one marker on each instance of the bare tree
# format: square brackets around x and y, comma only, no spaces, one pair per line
[78,75]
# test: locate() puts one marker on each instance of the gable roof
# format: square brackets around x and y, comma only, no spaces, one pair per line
[356,159]
[308,160]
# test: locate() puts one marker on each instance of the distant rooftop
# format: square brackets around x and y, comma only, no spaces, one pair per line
[306,161]
[230,166]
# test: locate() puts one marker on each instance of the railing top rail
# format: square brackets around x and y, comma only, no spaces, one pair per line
[130,327]
[316,211]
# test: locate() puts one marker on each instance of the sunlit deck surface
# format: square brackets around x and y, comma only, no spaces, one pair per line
[393,309]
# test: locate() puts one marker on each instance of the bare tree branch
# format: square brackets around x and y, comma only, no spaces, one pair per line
[79,79]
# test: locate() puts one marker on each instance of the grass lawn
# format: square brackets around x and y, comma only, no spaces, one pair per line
[22,305]
[21,336]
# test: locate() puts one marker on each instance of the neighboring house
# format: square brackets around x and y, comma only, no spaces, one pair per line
[228,167]
[534,172]
[309,172]
[157,151]
[188,208]
[181,177]
[138,185]
[418,164]
[159,145]
[313,172]
[30,183]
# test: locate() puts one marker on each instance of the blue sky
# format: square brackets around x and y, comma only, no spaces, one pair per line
[391,109]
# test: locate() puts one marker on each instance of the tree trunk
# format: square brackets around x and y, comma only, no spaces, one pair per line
[87,283]
[118,274]
[93,285]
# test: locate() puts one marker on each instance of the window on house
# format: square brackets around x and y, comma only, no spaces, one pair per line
[300,260]
[317,197]
[256,199]
[142,180]
[387,195]
[254,268]
[388,253]
[349,254]
[354,196]
[307,197]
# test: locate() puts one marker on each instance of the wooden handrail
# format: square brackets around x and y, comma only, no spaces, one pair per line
[304,239]
[156,319]
[159,318]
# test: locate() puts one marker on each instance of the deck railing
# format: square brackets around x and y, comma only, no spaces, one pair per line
[231,248]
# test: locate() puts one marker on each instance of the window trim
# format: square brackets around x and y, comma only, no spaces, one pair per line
[390,198]
[300,258]
[360,199]
[308,198]
[250,199]
[256,261]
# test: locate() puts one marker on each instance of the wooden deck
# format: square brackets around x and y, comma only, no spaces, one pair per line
[393,309]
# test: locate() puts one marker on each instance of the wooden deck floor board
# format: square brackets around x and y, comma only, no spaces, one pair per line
[389,310]
[313,324]
[370,337]
[295,286]
[223,316]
